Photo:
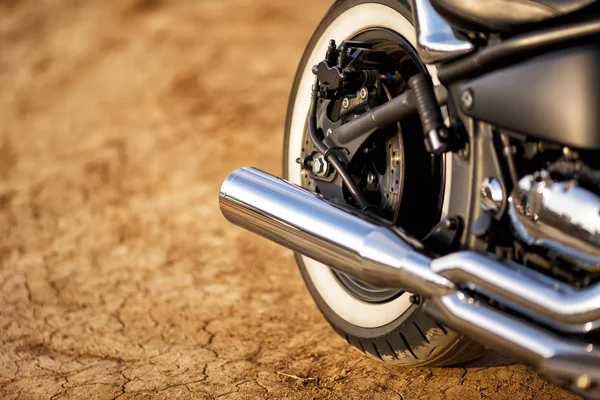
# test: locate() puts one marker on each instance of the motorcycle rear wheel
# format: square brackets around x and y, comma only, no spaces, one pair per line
[394,331]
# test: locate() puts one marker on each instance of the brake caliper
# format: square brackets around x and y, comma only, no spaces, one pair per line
[351,73]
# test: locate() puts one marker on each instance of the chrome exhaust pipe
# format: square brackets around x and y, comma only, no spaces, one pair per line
[303,221]
[538,296]
[569,362]
[373,251]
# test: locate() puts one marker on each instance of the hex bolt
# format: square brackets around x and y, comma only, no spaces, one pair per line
[464,152]
[320,167]
[466,99]
[363,93]
[305,162]
[371,178]
[491,195]
[346,102]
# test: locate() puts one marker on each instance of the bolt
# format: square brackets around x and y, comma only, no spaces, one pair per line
[320,167]
[346,102]
[304,162]
[450,223]
[491,195]
[583,382]
[342,56]
[464,152]
[568,186]
[371,178]
[363,93]
[329,132]
[570,154]
[467,99]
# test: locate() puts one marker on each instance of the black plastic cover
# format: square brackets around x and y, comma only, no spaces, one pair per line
[555,97]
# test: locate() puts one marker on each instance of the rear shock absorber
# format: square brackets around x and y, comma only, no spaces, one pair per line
[437,137]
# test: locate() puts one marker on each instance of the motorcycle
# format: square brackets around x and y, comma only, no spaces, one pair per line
[441,183]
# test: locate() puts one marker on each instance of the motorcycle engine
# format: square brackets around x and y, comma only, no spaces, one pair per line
[555,213]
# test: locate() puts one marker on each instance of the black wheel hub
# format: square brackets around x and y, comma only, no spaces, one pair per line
[392,164]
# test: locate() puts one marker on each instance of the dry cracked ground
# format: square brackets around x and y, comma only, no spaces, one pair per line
[119,278]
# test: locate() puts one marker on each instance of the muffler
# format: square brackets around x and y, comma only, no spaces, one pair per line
[305,222]
[382,255]
[377,253]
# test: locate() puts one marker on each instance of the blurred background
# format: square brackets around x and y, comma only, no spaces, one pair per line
[118,276]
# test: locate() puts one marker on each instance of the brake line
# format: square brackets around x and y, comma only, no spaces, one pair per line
[329,153]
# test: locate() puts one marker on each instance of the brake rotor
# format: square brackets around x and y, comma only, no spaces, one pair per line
[383,173]
[386,191]
[383,158]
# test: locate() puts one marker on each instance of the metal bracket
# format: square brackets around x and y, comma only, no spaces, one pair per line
[353,134]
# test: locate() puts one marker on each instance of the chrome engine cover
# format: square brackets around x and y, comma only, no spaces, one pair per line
[560,217]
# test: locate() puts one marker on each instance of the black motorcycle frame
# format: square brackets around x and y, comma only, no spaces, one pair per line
[511,87]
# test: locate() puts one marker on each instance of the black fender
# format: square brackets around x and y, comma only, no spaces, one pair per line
[554,97]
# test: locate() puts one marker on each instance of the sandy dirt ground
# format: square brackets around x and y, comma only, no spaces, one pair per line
[119,278]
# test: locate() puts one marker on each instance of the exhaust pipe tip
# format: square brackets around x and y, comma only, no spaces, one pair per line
[227,187]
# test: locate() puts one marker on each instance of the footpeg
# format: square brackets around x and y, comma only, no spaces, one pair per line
[437,136]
